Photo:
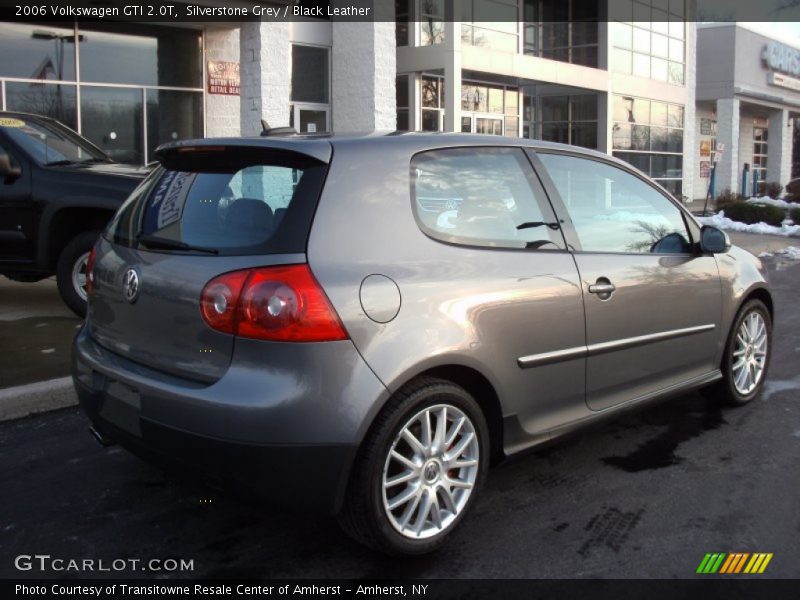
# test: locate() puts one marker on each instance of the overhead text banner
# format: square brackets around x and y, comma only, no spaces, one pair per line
[215,11]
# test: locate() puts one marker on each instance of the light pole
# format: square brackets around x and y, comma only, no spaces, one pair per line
[60,39]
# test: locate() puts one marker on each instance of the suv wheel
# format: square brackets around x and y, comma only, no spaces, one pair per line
[71,271]
[419,470]
[747,354]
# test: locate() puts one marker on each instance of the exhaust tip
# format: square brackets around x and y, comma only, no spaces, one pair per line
[100,438]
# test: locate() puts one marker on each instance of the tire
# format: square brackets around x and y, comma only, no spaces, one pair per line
[75,252]
[366,515]
[730,389]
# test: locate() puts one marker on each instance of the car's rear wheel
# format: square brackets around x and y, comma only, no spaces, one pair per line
[419,470]
[71,271]
[747,355]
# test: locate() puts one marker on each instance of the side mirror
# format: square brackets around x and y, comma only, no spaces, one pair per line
[714,240]
[8,171]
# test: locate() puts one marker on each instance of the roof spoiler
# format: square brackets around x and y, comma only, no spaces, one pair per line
[267,131]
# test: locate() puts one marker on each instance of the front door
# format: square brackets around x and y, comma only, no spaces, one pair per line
[17,215]
[652,302]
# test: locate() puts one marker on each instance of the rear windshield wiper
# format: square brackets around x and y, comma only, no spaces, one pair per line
[532,224]
[153,241]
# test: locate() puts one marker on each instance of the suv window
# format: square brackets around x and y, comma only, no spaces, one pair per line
[615,211]
[482,197]
[50,143]
[230,206]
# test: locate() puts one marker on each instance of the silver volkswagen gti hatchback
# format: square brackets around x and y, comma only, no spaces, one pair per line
[361,325]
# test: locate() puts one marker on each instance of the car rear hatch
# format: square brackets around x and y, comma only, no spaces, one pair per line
[212,207]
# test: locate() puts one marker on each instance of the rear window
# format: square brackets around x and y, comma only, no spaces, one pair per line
[224,203]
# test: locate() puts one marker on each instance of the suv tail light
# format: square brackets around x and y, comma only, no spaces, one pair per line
[282,303]
[90,271]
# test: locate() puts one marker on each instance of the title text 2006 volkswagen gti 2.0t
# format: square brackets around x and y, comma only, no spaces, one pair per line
[360,325]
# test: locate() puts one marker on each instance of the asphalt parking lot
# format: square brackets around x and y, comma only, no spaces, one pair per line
[643,497]
[36,331]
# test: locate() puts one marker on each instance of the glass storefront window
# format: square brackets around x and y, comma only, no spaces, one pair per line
[112,119]
[474,98]
[137,59]
[401,91]
[641,65]
[141,55]
[431,22]
[566,119]
[431,87]
[37,51]
[495,100]
[430,120]
[403,123]
[310,78]
[402,101]
[488,38]
[621,35]
[563,30]
[48,99]
[555,108]
[654,31]
[171,116]
[658,113]
[649,135]
[401,8]
[512,102]
[511,127]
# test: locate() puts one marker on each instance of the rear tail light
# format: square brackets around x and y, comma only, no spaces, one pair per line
[283,303]
[90,271]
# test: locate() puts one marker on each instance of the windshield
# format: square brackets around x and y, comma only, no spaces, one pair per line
[51,143]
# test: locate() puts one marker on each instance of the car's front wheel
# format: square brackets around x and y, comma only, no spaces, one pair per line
[419,470]
[71,271]
[747,355]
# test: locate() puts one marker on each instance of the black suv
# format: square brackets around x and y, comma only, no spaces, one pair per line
[57,192]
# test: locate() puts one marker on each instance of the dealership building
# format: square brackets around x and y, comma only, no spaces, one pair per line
[626,82]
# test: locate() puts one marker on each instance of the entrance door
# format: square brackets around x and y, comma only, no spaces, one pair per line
[482,123]
[310,119]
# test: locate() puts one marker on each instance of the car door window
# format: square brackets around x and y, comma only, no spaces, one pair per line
[612,210]
[482,197]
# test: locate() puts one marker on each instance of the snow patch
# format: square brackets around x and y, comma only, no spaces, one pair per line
[767,200]
[790,252]
[720,221]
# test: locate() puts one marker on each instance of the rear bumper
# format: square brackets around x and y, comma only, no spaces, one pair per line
[285,421]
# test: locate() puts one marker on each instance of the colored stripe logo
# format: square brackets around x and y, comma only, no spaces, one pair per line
[734,563]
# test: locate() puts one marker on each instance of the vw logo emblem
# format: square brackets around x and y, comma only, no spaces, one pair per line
[130,285]
[431,472]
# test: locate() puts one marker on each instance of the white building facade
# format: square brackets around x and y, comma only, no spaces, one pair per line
[748,95]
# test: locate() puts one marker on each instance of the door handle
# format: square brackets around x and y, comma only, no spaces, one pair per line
[603,288]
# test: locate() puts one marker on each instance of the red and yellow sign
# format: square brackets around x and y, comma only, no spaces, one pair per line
[223,77]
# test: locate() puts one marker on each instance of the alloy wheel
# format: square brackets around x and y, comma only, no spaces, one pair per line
[79,275]
[750,353]
[430,471]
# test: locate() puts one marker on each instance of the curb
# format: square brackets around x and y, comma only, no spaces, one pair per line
[42,396]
